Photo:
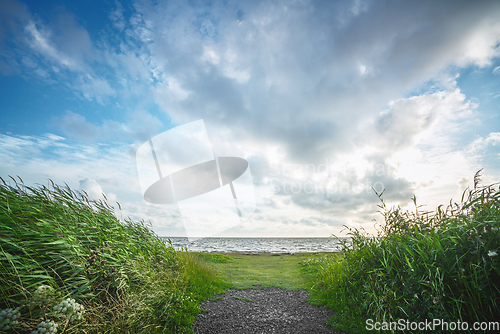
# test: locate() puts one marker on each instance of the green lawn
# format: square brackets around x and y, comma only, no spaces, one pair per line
[243,270]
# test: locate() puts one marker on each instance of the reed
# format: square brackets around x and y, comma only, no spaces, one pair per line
[124,277]
[421,265]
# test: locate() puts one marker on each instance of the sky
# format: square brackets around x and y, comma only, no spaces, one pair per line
[326,100]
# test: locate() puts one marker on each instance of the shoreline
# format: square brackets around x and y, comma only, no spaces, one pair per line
[267,253]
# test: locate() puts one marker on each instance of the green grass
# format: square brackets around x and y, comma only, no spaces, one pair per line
[422,265]
[241,298]
[214,257]
[243,271]
[126,277]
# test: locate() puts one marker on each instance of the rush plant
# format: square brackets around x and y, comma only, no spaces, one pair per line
[421,265]
[67,264]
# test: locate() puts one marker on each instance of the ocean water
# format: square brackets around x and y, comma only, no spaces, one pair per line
[257,245]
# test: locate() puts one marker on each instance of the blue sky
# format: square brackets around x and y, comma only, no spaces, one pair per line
[325,99]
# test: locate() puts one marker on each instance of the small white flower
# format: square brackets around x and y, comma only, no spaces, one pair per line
[492,253]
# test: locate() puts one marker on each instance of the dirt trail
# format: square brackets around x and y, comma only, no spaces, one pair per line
[256,311]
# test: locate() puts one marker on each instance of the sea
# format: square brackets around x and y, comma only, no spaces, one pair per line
[257,245]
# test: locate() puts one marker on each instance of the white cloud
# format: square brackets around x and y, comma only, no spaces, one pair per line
[95,192]
[41,43]
[140,127]
[116,16]
[76,125]
[481,44]
[279,65]
[92,188]
[210,55]
[431,158]
[481,143]
[97,88]
[284,82]
[174,90]
[414,119]
[66,44]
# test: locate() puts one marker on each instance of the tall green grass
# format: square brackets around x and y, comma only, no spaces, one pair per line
[125,276]
[422,265]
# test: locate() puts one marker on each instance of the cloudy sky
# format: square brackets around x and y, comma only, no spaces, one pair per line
[325,100]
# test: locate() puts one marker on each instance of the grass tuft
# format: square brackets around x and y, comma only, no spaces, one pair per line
[241,298]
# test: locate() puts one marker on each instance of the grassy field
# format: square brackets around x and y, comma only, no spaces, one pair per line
[67,265]
[251,270]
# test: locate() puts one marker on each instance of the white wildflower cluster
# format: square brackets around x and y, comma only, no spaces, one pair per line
[492,253]
[43,290]
[183,298]
[47,327]
[8,318]
[70,309]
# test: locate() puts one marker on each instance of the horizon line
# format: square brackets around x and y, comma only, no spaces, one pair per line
[330,236]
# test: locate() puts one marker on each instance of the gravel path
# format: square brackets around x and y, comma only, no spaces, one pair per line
[256,311]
